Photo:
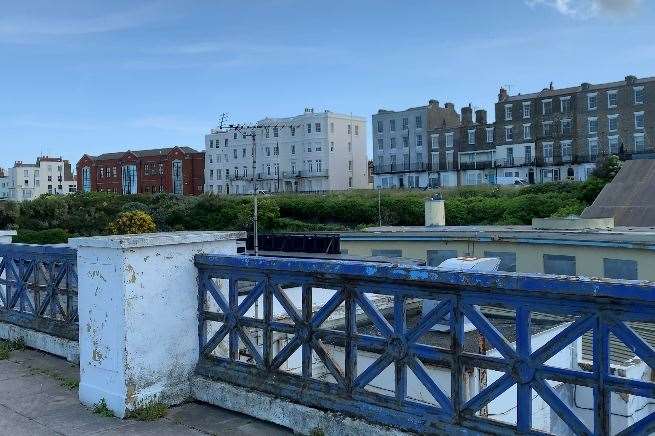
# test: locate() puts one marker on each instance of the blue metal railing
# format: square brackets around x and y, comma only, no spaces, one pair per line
[38,288]
[602,307]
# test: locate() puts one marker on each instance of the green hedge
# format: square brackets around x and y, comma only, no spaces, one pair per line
[91,213]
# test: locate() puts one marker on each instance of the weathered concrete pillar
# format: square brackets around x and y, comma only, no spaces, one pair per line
[6,235]
[138,307]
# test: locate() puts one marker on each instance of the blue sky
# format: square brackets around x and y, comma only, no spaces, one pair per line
[95,76]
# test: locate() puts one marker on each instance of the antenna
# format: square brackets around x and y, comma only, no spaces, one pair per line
[253,130]
[508,87]
[221,120]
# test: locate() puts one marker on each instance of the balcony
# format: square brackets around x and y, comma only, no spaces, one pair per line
[479,165]
[404,168]
[514,162]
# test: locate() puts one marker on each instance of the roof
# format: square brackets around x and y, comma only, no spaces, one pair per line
[629,198]
[620,237]
[573,90]
[143,153]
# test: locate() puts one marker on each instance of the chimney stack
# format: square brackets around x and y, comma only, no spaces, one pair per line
[433,103]
[467,115]
[502,94]
[481,116]
[630,79]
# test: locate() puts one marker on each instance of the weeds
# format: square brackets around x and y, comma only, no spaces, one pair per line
[149,412]
[101,409]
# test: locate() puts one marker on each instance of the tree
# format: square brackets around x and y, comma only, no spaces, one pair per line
[607,167]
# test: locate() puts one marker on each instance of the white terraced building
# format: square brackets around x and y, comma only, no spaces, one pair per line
[49,175]
[312,152]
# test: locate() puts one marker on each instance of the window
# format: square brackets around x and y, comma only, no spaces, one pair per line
[548,150]
[405,141]
[548,129]
[559,264]
[356,130]
[317,127]
[293,130]
[419,140]
[528,153]
[293,149]
[350,147]
[437,257]
[225,143]
[593,148]
[86,179]
[434,160]
[592,126]
[331,145]
[507,260]
[566,151]
[527,131]
[386,253]
[620,269]
[640,142]
[547,107]
[639,95]
[392,125]
[509,133]
[350,129]
[450,160]
[268,151]
[639,120]
[350,165]
[332,127]
[405,123]
[449,140]
[235,135]
[275,132]
[526,109]
[612,99]
[309,127]
[211,143]
[508,112]
[490,135]
[565,104]
[419,122]
[566,128]
[309,148]
[613,123]
[592,101]
[393,143]
[471,137]
[380,127]
[234,153]
[380,144]
[419,157]
[613,142]
[434,142]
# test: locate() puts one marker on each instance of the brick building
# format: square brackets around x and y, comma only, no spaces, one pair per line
[176,170]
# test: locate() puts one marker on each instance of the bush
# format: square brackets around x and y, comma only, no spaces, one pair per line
[42,237]
[132,223]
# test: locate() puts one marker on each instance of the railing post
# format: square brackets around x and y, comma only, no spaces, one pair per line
[456,347]
[138,309]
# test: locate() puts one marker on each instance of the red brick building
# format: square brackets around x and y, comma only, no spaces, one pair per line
[176,170]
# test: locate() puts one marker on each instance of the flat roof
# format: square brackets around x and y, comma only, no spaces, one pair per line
[620,237]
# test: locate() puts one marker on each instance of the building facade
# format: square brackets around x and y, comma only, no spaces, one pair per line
[4,185]
[401,148]
[312,152]
[551,135]
[49,175]
[175,170]
[558,134]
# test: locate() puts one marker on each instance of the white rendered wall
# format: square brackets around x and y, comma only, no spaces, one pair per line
[138,307]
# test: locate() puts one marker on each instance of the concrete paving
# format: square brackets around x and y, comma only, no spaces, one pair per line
[38,396]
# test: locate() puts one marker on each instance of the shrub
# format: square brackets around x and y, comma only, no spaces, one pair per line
[42,237]
[131,223]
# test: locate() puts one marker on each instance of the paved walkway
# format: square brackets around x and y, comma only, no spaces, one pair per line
[38,396]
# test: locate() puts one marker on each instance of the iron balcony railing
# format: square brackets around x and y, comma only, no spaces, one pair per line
[405,167]
[38,288]
[326,334]
[476,165]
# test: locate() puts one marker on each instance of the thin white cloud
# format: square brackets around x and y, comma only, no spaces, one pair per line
[21,28]
[584,9]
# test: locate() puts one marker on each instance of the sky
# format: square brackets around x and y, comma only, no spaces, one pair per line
[95,76]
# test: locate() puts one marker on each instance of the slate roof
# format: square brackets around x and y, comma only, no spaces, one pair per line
[573,90]
[629,198]
[143,153]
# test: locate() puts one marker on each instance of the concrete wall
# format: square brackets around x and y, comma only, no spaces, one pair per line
[529,257]
[138,309]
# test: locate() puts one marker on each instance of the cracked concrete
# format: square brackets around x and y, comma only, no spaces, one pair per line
[36,399]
